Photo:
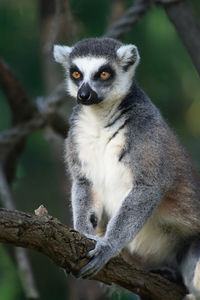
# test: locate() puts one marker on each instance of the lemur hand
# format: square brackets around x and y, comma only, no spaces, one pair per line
[99,256]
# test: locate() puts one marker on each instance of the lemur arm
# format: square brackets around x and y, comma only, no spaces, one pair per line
[83,214]
[135,210]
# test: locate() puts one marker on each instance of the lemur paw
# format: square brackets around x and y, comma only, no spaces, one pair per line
[99,256]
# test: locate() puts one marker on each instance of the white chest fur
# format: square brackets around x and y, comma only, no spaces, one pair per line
[99,156]
[112,181]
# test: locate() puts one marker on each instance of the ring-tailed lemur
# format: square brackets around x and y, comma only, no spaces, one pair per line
[130,174]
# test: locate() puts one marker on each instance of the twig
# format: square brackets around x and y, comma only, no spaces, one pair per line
[25,271]
[50,103]
[132,16]
[67,249]
[11,136]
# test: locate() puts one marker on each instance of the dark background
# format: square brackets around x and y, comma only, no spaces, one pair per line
[166,73]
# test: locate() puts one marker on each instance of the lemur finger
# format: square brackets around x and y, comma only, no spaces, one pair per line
[92,253]
[87,270]
[90,269]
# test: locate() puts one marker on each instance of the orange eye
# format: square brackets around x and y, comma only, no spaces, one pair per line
[105,75]
[76,74]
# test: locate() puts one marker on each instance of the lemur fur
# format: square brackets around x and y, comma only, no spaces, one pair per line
[134,186]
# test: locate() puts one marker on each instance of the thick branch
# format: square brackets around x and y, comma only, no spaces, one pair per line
[187,27]
[67,249]
[22,109]
[21,105]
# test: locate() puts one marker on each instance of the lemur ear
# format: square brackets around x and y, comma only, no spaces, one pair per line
[61,53]
[128,56]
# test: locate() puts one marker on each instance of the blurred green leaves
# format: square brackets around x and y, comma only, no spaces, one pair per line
[9,282]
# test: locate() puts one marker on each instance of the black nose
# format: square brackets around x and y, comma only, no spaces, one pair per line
[87,96]
[84,92]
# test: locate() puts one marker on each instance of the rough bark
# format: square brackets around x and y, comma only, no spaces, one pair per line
[67,248]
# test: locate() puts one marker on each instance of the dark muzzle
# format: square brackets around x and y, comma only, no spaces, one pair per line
[87,96]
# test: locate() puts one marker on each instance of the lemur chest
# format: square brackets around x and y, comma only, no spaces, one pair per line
[99,149]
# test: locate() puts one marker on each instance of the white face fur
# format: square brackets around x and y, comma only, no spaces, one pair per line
[121,71]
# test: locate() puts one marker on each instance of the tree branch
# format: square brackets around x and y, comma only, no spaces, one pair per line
[21,105]
[27,116]
[22,109]
[187,27]
[132,16]
[9,137]
[67,248]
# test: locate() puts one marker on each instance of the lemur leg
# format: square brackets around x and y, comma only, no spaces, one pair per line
[190,269]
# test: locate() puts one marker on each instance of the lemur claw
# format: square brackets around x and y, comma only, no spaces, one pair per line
[91,268]
[92,253]
[99,256]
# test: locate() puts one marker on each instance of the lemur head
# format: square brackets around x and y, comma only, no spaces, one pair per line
[98,69]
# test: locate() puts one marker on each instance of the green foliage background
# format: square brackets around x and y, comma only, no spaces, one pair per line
[166,74]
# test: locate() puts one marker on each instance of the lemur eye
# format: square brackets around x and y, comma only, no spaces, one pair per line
[104,75]
[76,74]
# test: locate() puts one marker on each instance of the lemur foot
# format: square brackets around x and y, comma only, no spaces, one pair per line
[99,256]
